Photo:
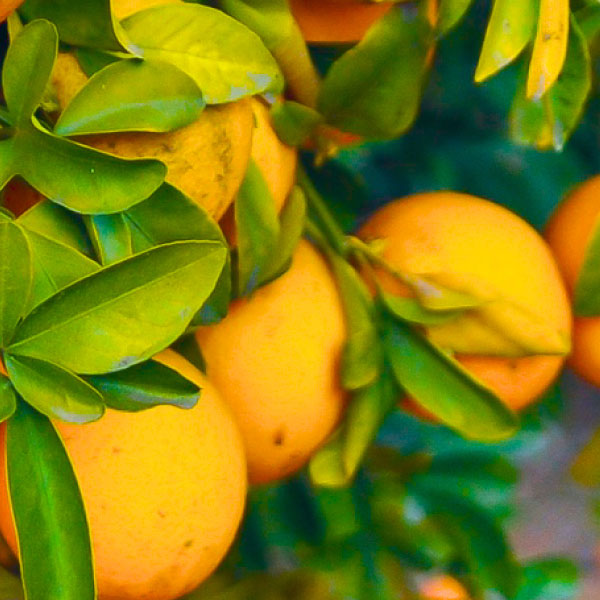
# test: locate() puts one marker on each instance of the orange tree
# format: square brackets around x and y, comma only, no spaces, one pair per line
[127,129]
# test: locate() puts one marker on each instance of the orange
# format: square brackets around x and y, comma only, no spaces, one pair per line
[164,490]
[7,6]
[275,361]
[569,232]
[443,587]
[328,21]
[452,234]
[206,159]
[277,163]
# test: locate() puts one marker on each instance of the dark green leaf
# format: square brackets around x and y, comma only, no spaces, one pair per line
[15,277]
[124,313]
[85,23]
[55,265]
[54,391]
[82,179]
[133,95]
[294,122]
[91,60]
[548,122]
[549,579]
[361,90]
[27,68]
[8,399]
[510,28]
[225,58]
[586,299]
[412,311]
[54,541]
[257,229]
[450,12]
[144,386]
[443,387]
[10,586]
[588,19]
[111,237]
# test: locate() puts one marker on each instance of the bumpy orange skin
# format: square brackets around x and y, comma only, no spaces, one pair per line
[164,490]
[275,361]
[331,22]
[7,6]
[450,232]
[569,232]
[443,587]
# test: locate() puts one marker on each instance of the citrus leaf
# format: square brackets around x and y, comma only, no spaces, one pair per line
[326,467]
[273,21]
[291,226]
[15,278]
[361,89]
[27,68]
[144,386]
[48,511]
[85,23]
[225,58]
[509,30]
[111,237]
[588,19]
[548,122]
[57,224]
[412,311]
[91,60]
[586,302]
[444,388]
[257,229]
[450,12]
[124,313]
[362,355]
[549,47]
[133,95]
[55,265]
[8,399]
[82,179]
[294,122]
[10,586]
[53,391]
[586,467]
[549,579]
[8,152]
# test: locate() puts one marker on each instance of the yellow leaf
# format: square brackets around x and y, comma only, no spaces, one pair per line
[550,47]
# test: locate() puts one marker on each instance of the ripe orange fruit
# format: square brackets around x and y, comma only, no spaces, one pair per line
[164,490]
[277,163]
[331,21]
[275,360]
[206,159]
[569,232]
[443,587]
[458,235]
[7,6]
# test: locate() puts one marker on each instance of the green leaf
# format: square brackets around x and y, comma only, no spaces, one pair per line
[91,60]
[144,386]
[443,387]
[10,586]
[549,579]
[257,229]
[450,12]
[294,122]
[111,237]
[27,68]
[133,95]
[361,89]
[54,541]
[292,220]
[548,122]
[586,467]
[80,178]
[412,311]
[510,28]
[8,401]
[85,23]
[326,467]
[586,302]
[124,313]
[225,58]
[362,355]
[54,391]
[15,278]
[588,19]
[55,265]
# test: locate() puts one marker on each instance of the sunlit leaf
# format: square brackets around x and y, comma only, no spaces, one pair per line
[450,12]
[8,399]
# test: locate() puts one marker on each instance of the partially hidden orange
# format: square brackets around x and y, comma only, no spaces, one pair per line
[164,490]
